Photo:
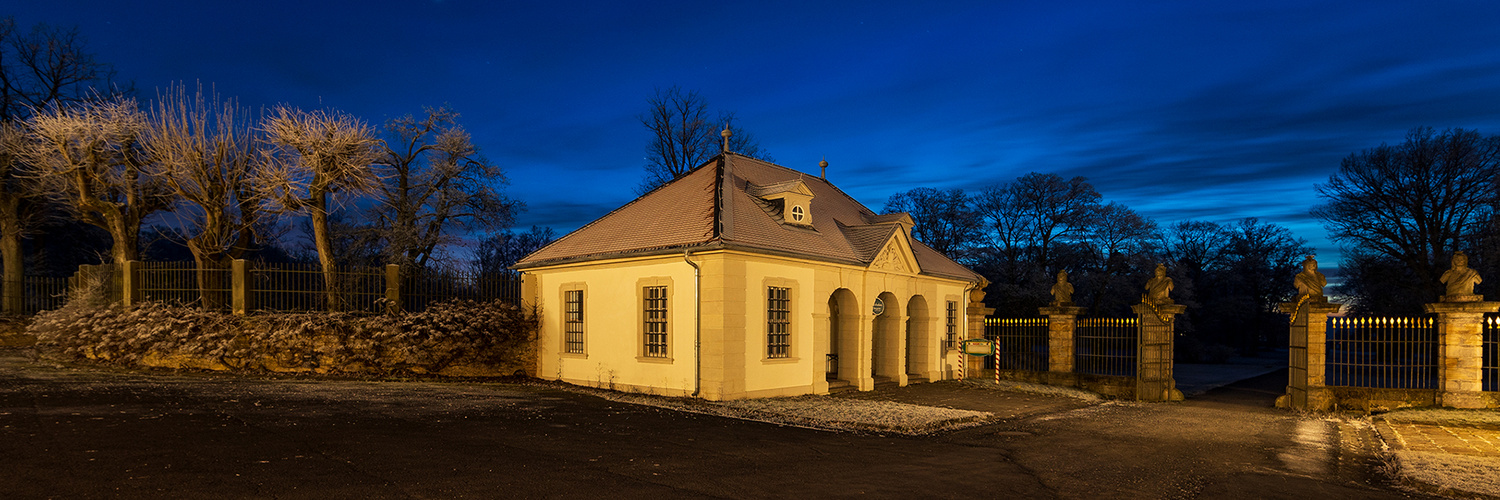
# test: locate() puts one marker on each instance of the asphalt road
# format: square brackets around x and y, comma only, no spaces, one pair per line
[85,433]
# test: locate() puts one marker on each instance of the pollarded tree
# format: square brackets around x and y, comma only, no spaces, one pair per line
[685,134]
[205,151]
[435,182]
[38,69]
[313,159]
[88,156]
[1415,201]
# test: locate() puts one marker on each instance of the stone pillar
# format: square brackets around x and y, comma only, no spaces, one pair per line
[1460,351]
[130,282]
[976,312]
[239,286]
[1060,330]
[1153,355]
[1308,355]
[393,287]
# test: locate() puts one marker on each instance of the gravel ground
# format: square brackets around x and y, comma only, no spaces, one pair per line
[819,412]
[1028,388]
[1452,475]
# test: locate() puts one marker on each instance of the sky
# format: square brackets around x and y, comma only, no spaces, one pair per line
[1181,110]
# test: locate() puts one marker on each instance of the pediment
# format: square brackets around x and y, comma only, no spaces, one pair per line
[896,256]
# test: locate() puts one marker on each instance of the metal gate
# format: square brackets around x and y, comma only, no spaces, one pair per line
[1153,374]
[1297,367]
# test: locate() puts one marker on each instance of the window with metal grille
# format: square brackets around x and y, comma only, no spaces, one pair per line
[950,341]
[656,321]
[573,320]
[778,322]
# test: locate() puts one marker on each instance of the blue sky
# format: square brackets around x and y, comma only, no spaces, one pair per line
[1203,110]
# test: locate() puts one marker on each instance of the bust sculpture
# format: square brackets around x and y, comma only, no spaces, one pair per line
[1062,291]
[1158,288]
[1460,280]
[1310,282]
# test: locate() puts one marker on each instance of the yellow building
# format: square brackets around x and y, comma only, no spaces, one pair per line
[746,279]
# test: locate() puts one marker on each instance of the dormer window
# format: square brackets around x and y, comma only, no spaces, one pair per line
[789,201]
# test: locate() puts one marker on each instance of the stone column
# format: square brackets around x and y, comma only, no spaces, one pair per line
[239,286]
[1060,329]
[392,288]
[130,282]
[1308,354]
[1460,350]
[976,313]
[1153,355]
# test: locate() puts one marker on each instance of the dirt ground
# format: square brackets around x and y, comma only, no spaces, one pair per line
[84,432]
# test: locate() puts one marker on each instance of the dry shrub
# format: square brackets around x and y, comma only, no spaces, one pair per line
[446,334]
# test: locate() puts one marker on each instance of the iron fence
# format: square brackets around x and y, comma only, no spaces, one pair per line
[418,289]
[41,293]
[301,287]
[1491,346]
[183,283]
[1382,352]
[1021,343]
[1105,346]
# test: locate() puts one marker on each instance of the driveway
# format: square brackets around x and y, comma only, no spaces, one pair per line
[70,432]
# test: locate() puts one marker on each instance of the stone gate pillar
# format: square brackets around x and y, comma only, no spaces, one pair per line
[976,312]
[1461,351]
[1460,336]
[1307,354]
[1060,323]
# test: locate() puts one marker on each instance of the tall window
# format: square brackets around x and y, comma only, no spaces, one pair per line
[573,320]
[951,340]
[778,322]
[656,321]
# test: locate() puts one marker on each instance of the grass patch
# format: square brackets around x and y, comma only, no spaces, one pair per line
[1482,419]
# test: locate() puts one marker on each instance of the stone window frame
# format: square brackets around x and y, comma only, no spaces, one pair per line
[793,293]
[563,291]
[641,287]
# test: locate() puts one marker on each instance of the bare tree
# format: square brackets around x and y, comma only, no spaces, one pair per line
[1415,201]
[943,219]
[205,150]
[313,158]
[1116,230]
[685,134]
[436,182]
[88,156]
[48,65]
[1051,210]
[38,69]
[498,252]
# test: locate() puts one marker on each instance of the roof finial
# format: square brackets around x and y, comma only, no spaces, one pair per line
[726,133]
[824,165]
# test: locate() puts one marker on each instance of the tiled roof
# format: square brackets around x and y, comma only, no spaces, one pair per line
[707,208]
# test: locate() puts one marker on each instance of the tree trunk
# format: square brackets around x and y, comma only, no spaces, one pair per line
[319,214]
[10,254]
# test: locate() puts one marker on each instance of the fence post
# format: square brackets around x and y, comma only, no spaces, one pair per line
[976,313]
[1153,353]
[130,280]
[393,287]
[1307,354]
[239,286]
[1461,349]
[1061,320]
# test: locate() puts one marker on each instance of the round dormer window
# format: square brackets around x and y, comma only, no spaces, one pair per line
[797,213]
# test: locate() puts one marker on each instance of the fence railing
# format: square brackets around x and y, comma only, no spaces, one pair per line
[1491,346]
[292,287]
[301,287]
[178,283]
[39,293]
[1105,346]
[1382,352]
[1021,343]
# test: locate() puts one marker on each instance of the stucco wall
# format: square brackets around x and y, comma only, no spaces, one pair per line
[734,318]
